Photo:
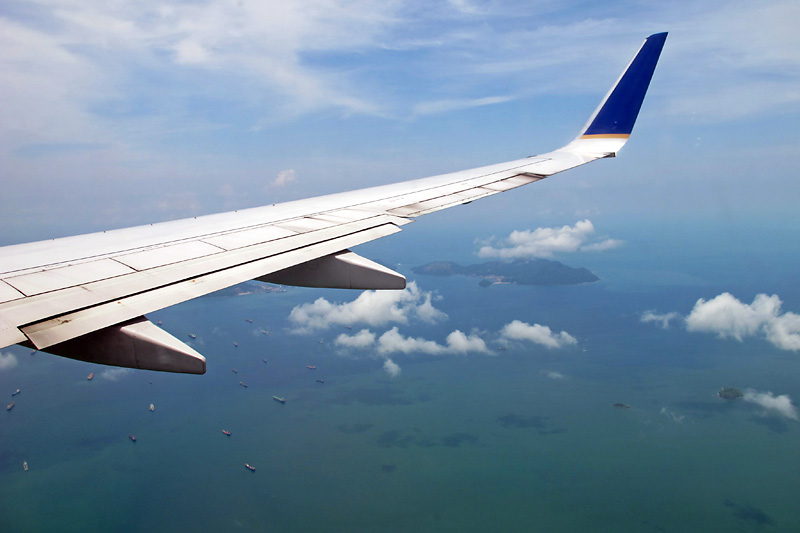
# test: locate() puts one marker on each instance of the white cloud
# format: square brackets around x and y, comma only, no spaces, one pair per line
[602,246]
[728,317]
[361,340]
[661,320]
[536,333]
[284,177]
[457,342]
[374,308]
[784,331]
[114,374]
[544,242]
[781,405]
[391,368]
[7,361]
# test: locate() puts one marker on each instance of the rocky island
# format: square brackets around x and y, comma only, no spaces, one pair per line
[521,271]
[729,393]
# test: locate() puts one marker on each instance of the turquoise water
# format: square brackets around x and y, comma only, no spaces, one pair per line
[455,443]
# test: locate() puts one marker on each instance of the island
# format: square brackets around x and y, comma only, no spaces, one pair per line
[248,287]
[521,272]
[729,393]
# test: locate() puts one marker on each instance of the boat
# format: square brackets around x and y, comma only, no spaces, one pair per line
[152,407]
[234,371]
[279,399]
[235,344]
[25,465]
[248,320]
[250,468]
[15,392]
[192,336]
[320,381]
[622,406]
[226,432]
[90,377]
[12,404]
[311,367]
[243,384]
[265,361]
[133,438]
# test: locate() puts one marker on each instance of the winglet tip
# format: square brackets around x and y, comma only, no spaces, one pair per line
[617,113]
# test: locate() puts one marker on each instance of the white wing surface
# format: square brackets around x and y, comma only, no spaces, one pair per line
[86,297]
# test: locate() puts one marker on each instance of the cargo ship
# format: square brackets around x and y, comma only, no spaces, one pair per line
[279,399]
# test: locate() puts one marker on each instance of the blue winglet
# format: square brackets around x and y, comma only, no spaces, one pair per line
[617,114]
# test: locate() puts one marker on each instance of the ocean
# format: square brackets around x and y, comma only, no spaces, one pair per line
[526,438]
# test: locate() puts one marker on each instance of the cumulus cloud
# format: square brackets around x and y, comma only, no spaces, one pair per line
[456,343]
[374,308]
[544,242]
[7,361]
[284,177]
[536,333]
[728,317]
[661,320]
[391,368]
[361,340]
[781,405]
[784,331]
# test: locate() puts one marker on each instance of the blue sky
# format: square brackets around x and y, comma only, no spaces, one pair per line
[118,114]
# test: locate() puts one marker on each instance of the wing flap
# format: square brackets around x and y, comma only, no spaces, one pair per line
[67,276]
[8,293]
[167,255]
[67,326]
[50,305]
[249,237]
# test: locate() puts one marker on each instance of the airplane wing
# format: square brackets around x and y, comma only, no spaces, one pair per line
[86,297]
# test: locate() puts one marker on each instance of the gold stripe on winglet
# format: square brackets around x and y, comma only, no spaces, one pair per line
[607,136]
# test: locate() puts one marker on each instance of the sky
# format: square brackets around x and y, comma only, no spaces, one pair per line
[118,114]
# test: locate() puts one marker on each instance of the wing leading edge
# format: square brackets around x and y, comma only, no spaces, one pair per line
[86,297]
